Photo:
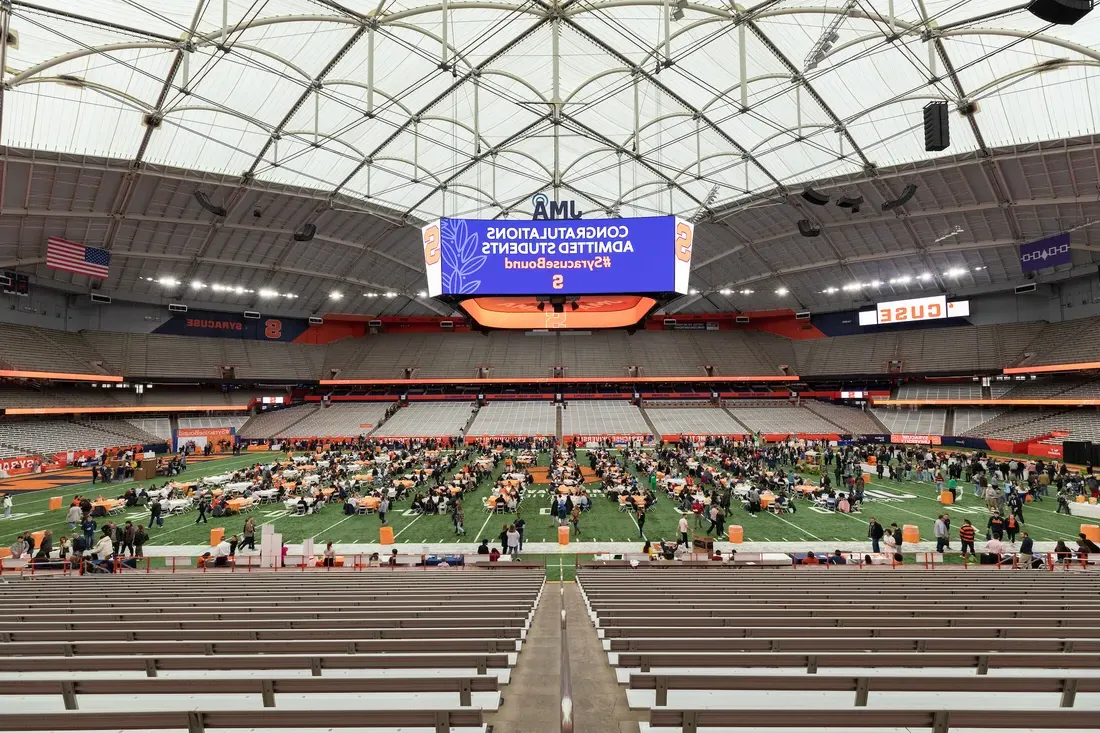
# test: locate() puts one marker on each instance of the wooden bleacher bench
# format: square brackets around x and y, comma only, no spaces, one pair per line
[939,721]
[811,662]
[332,645]
[198,721]
[267,688]
[152,664]
[840,643]
[862,686]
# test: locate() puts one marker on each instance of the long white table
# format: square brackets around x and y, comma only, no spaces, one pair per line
[1092,511]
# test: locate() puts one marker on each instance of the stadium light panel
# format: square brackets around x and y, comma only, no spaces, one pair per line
[336,295]
[781,291]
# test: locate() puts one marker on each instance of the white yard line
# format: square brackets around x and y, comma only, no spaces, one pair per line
[402,531]
[800,529]
[327,529]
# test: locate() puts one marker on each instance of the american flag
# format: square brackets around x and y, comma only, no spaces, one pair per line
[73,257]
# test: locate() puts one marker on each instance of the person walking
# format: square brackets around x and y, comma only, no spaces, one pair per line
[1011,528]
[140,538]
[88,528]
[128,534]
[204,507]
[458,515]
[939,529]
[575,520]
[513,542]
[156,514]
[383,507]
[683,527]
[641,522]
[249,534]
[8,507]
[876,533]
[966,537]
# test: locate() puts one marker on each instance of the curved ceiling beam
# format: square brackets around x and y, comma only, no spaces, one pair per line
[609,4]
[525,8]
[220,111]
[976,94]
[528,156]
[595,77]
[519,79]
[705,158]
[271,55]
[748,82]
[411,164]
[589,154]
[122,96]
[74,55]
[389,97]
[791,131]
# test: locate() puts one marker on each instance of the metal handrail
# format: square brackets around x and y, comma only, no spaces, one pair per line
[566,677]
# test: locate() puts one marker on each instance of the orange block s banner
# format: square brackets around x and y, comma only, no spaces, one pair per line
[683,241]
[431,244]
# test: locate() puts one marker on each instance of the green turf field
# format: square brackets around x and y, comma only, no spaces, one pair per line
[901,502]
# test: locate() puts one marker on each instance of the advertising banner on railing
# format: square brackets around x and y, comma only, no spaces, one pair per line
[906,439]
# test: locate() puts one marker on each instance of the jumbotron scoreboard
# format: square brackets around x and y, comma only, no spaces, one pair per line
[558,273]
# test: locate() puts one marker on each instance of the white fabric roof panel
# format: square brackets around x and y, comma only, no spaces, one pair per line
[630,111]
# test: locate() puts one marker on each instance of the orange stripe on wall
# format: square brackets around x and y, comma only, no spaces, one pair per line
[111,410]
[17,374]
[562,380]
[993,403]
[1075,367]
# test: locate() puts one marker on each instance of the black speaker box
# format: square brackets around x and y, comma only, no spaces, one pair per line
[937,130]
[1062,12]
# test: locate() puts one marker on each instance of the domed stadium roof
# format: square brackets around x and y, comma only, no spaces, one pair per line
[361,117]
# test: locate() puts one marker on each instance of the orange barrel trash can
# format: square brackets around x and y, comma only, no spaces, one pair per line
[563,535]
[947,497]
[1091,532]
[866,478]
[766,501]
[385,535]
[38,538]
[55,502]
[1080,500]
[910,533]
[736,534]
[216,535]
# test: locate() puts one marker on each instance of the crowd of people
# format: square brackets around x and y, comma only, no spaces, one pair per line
[711,484]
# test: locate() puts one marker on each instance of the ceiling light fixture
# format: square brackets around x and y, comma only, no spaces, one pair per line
[693,291]
[926,276]
[423,293]
[746,291]
[781,291]
[268,293]
[955,272]
[336,295]
[197,285]
[725,291]
[829,291]
[391,295]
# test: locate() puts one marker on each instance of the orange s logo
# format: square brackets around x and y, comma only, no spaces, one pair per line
[273,329]
[558,282]
[683,241]
[431,244]
[555,320]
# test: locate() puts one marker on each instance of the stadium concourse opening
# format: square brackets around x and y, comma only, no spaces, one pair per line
[615,367]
